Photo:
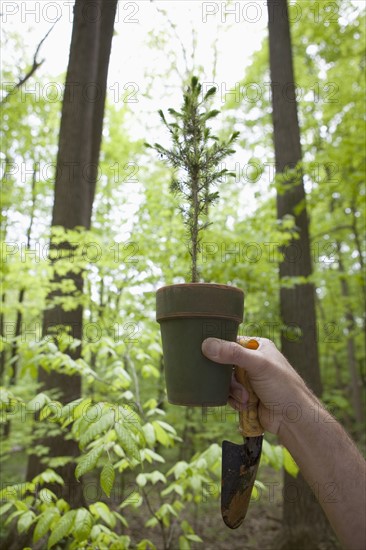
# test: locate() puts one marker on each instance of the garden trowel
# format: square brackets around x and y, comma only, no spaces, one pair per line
[240,462]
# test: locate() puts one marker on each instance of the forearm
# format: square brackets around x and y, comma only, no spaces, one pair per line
[332,466]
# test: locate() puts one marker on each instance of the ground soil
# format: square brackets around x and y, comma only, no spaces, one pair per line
[257,532]
[261,529]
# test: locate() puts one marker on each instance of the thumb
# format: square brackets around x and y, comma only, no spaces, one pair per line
[231,353]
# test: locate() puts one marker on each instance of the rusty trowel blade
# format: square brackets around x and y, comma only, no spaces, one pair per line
[239,468]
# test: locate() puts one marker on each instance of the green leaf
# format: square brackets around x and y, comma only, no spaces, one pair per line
[194,538]
[273,454]
[149,433]
[173,487]
[127,442]
[88,461]
[152,455]
[44,522]
[78,409]
[152,522]
[5,507]
[167,427]
[83,524]
[123,541]
[103,424]
[145,544]
[141,480]
[178,469]
[289,464]
[101,510]
[157,476]
[184,543]
[166,510]
[22,506]
[211,114]
[196,482]
[150,370]
[38,402]
[194,82]
[201,464]
[161,434]
[62,505]
[45,495]
[150,403]
[107,476]
[5,396]
[129,416]
[210,92]
[10,518]
[175,113]
[161,114]
[234,136]
[25,521]
[121,518]
[186,527]
[58,461]
[62,528]
[48,476]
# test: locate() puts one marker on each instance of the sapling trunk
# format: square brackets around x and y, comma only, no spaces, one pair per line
[194,233]
[195,156]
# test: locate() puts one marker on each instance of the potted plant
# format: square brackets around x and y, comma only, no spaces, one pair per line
[190,312]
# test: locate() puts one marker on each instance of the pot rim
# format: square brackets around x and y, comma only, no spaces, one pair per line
[199,300]
[211,285]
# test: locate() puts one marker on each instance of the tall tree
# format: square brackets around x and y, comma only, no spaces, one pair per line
[76,174]
[304,520]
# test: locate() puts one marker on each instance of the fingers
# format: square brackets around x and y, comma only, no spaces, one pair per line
[238,395]
[236,405]
[231,353]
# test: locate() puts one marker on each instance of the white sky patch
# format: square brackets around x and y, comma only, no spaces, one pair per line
[237,29]
[226,31]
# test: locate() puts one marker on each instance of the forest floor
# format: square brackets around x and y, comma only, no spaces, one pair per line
[257,532]
[261,529]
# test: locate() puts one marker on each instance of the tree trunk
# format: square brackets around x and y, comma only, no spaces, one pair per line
[76,174]
[305,524]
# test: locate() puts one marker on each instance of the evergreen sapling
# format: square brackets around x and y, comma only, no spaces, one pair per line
[196,156]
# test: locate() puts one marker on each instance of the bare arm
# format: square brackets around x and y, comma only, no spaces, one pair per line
[333,467]
[326,456]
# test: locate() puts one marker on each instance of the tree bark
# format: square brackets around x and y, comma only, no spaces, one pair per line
[305,524]
[76,174]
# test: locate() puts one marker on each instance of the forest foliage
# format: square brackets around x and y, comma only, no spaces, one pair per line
[137,452]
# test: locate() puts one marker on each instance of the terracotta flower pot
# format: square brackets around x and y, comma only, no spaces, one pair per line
[189,313]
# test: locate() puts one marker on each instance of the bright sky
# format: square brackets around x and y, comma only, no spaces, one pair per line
[236,27]
[233,29]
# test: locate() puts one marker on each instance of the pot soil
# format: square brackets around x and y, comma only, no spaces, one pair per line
[188,314]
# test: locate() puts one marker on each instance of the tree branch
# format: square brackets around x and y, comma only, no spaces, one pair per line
[332,230]
[35,65]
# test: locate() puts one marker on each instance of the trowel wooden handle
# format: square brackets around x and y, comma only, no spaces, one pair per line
[249,421]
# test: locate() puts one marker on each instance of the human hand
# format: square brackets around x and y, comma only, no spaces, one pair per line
[273,379]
